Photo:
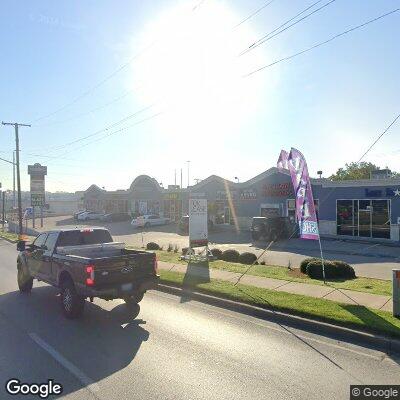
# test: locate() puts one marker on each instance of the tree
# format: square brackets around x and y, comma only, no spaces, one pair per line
[355,171]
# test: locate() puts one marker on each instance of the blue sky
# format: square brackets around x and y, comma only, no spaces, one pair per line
[188,83]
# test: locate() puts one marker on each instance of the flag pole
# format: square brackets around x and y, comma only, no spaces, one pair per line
[322,258]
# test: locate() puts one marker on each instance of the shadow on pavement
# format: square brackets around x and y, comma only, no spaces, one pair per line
[196,273]
[97,343]
[365,315]
[292,325]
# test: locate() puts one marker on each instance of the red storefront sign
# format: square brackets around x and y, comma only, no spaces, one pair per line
[278,190]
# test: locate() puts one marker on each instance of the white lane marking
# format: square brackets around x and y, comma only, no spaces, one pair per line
[82,377]
[288,332]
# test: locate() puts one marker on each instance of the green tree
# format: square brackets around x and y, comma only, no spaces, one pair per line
[354,171]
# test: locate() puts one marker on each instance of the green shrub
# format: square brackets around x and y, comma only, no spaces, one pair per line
[217,253]
[230,255]
[262,262]
[304,263]
[333,270]
[247,258]
[152,246]
[344,269]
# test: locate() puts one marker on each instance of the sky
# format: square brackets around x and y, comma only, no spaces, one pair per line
[118,89]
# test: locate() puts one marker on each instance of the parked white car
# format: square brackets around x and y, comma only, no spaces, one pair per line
[89,215]
[146,221]
[5,225]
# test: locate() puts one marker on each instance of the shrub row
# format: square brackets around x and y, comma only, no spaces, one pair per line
[234,256]
[333,269]
[227,255]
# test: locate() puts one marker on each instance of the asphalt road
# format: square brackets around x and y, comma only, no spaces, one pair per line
[174,349]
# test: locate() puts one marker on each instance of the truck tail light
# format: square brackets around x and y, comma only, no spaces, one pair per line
[89,275]
[155,265]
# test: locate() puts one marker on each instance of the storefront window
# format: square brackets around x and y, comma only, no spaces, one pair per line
[364,218]
[345,221]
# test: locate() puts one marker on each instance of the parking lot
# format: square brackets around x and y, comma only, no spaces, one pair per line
[368,259]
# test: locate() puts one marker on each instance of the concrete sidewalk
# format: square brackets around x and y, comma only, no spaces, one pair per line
[375,301]
[337,246]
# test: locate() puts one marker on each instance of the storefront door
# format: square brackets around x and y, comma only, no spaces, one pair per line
[364,227]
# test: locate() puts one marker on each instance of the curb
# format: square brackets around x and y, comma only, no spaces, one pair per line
[382,343]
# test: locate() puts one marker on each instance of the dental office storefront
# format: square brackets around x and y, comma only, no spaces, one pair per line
[366,209]
[363,209]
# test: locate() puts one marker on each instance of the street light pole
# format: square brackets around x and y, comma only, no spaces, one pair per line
[16,126]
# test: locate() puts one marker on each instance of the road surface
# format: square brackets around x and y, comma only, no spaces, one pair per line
[174,349]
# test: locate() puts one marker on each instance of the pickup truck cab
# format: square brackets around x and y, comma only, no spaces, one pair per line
[86,263]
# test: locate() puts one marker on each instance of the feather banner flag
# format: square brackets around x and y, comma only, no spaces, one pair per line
[305,209]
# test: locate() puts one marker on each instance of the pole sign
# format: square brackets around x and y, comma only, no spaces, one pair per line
[198,230]
[37,173]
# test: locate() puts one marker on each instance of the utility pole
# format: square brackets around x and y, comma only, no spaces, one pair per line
[14,179]
[16,126]
[188,163]
[4,209]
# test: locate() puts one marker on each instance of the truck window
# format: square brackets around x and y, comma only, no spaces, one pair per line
[39,241]
[51,241]
[84,236]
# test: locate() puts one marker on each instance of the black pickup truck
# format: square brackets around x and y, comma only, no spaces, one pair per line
[86,263]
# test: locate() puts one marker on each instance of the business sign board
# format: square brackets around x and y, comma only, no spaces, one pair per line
[198,230]
[37,173]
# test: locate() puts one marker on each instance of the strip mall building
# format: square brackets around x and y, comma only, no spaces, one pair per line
[365,209]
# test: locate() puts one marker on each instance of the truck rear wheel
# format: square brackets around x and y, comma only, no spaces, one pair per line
[136,298]
[72,304]
[25,281]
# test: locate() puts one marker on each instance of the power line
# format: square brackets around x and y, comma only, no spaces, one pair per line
[369,148]
[93,88]
[107,78]
[254,13]
[90,111]
[55,148]
[379,137]
[114,132]
[272,34]
[7,161]
[321,43]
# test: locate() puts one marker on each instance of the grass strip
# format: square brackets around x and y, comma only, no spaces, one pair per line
[367,285]
[352,316]
[12,237]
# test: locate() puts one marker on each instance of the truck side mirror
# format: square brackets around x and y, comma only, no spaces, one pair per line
[21,245]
